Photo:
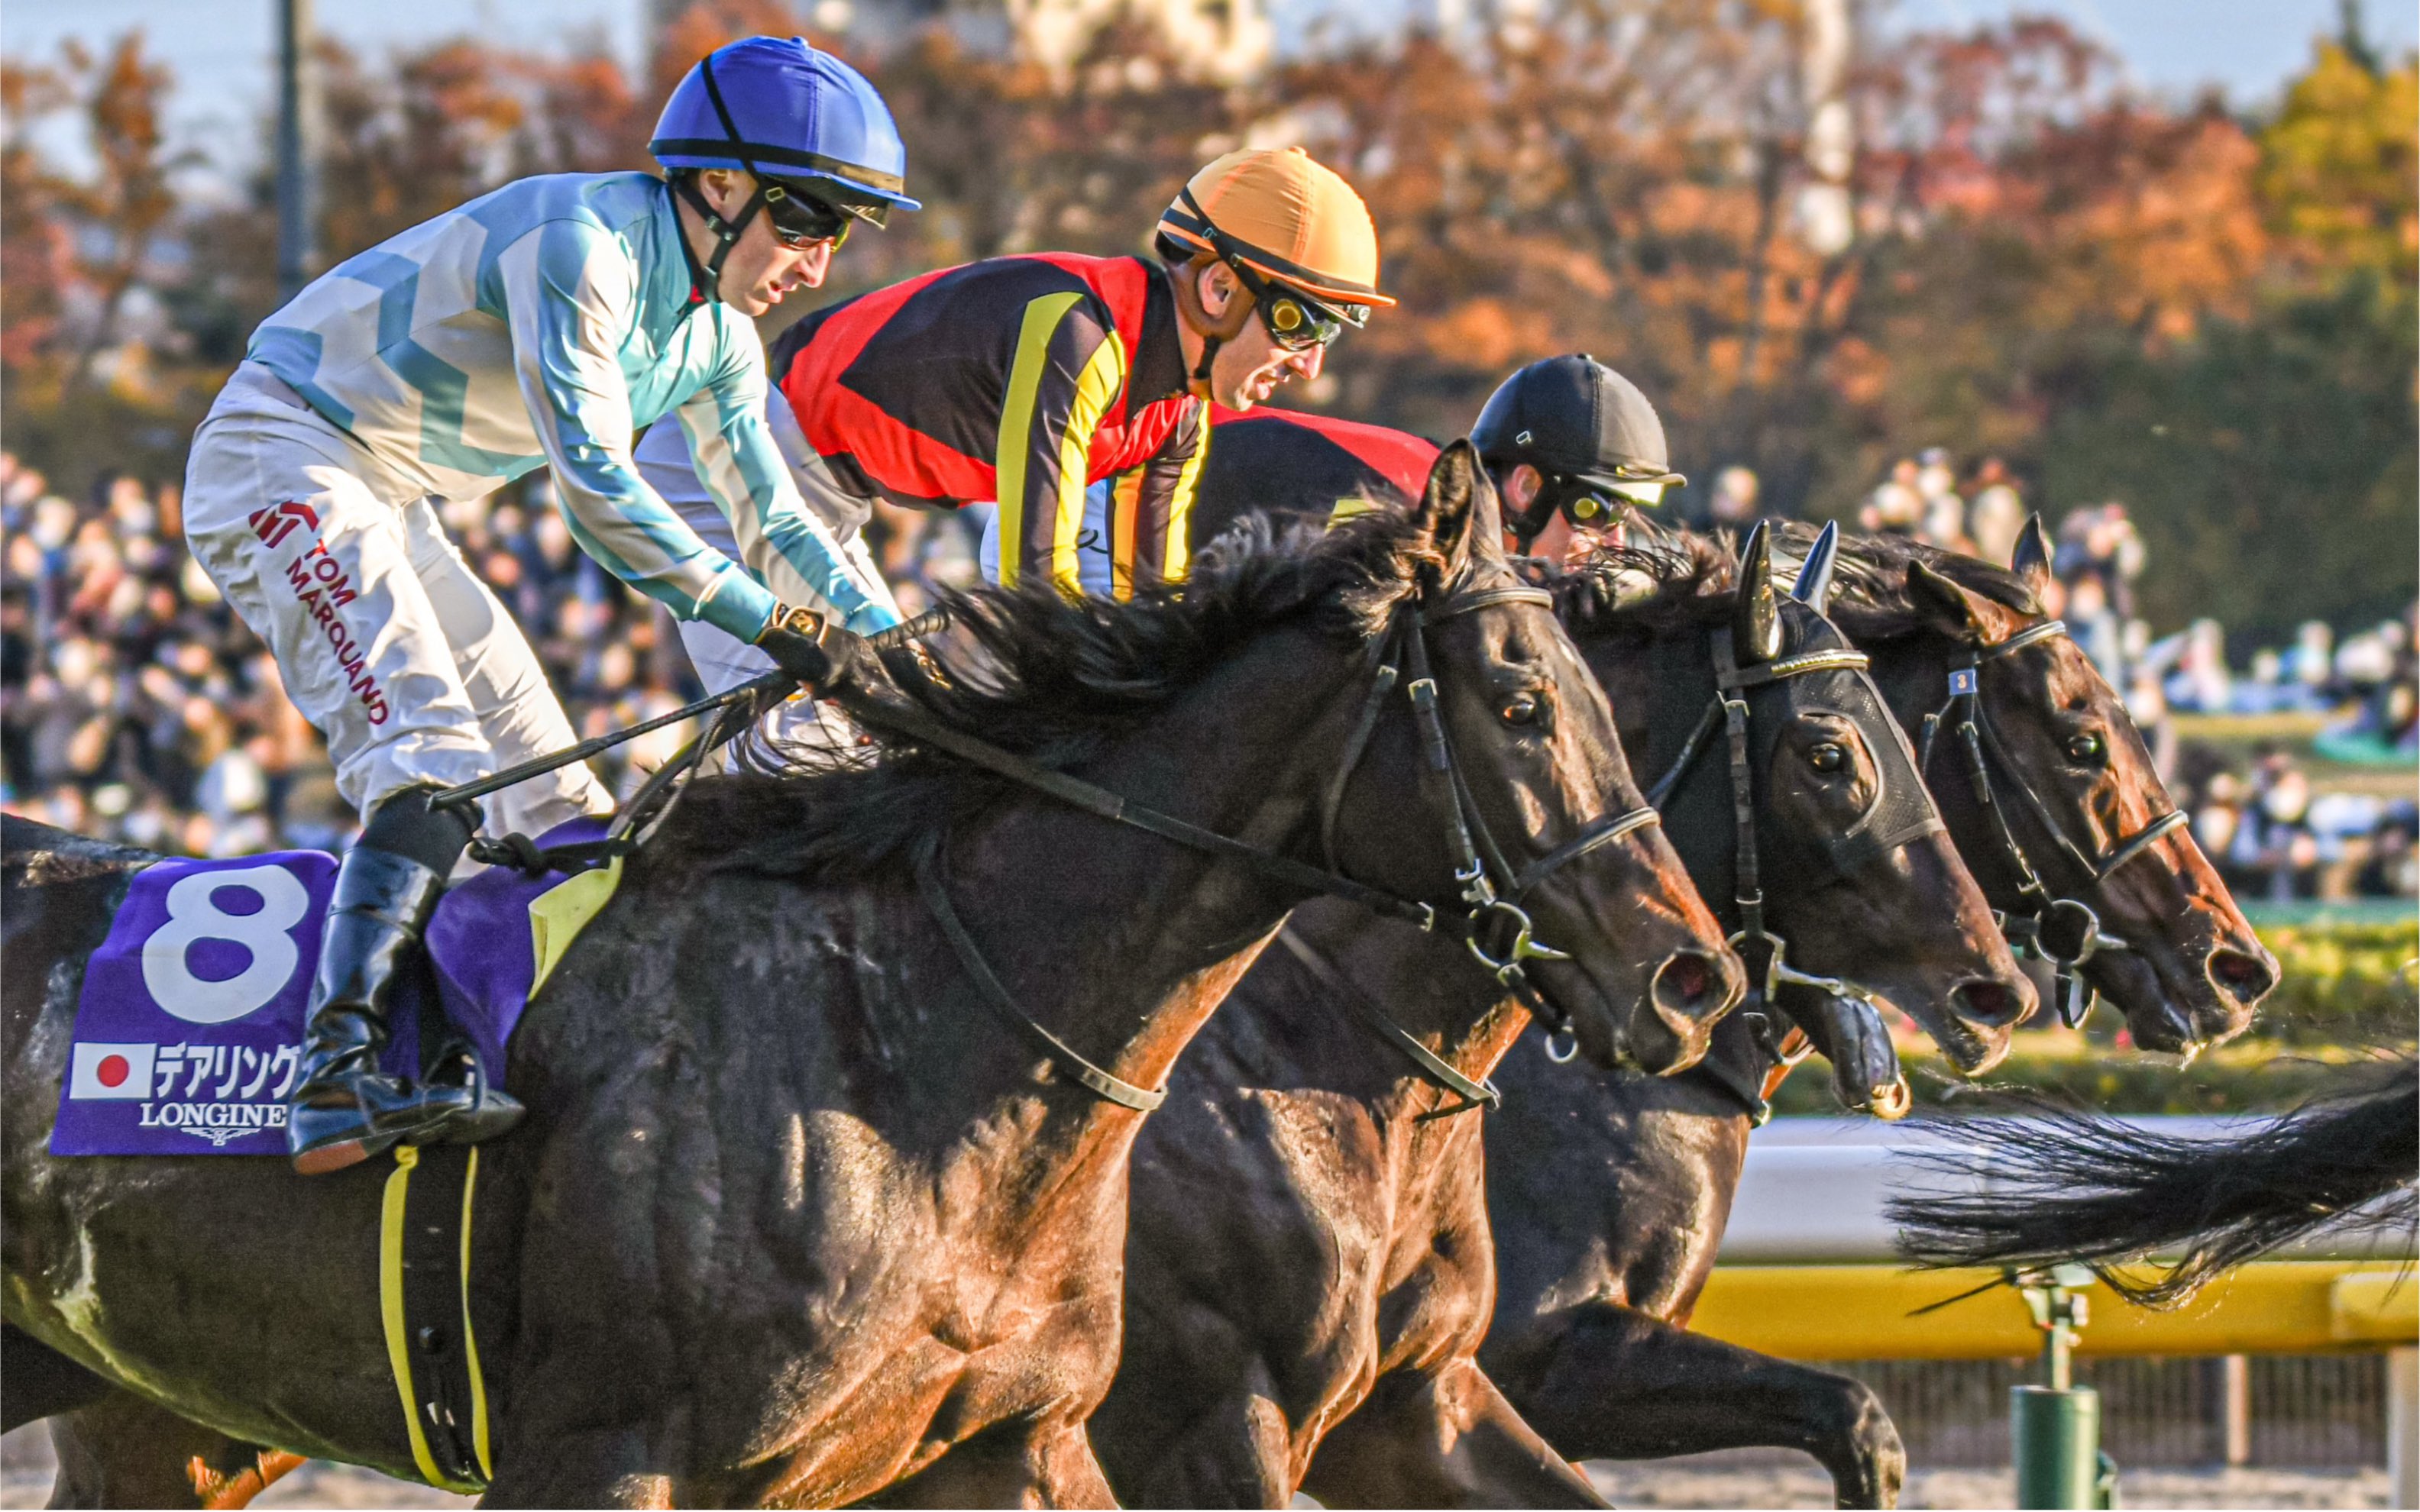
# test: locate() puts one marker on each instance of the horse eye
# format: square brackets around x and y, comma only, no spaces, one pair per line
[2085,748]
[1827,758]
[1521,708]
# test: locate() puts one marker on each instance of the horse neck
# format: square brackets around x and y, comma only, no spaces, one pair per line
[1659,687]
[1291,1031]
[1122,942]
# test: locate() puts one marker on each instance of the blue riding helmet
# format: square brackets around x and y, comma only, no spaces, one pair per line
[779,109]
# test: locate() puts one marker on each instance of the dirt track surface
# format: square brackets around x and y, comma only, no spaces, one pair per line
[1753,1479]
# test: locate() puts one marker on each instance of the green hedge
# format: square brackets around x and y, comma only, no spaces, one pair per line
[2342,983]
[2347,996]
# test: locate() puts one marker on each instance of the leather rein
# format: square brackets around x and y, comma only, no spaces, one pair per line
[1491,890]
[2065,931]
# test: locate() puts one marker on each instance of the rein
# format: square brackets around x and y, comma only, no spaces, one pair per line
[2065,931]
[1486,907]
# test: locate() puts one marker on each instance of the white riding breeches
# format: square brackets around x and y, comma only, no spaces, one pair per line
[387,641]
[722,659]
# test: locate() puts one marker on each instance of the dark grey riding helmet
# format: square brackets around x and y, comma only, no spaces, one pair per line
[1584,426]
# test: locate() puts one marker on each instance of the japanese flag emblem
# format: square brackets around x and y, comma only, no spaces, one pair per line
[102,1070]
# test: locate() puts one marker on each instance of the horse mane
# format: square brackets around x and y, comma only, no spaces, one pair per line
[1683,569]
[1053,681]
[1869,598]
[2066,1183]
[1654,584]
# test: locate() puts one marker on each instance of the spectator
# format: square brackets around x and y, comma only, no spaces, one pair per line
[1895,506]
[1732,507]
[1996,513]
[135,707]
[1941,520]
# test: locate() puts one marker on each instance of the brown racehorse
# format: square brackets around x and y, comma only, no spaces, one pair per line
[795,1217]
[1309,1260]
[1598,1271]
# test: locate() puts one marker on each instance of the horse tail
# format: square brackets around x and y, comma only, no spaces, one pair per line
[2063,1183]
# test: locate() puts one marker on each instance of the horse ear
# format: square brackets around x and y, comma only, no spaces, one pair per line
[1814,586]
[1951,607]
[2031,560]
[1756,615]
[1459,511]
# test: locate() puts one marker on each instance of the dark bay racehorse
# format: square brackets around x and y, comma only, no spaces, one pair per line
[1608,1210]
[795,1216]
[1310,1258]
[2092,843]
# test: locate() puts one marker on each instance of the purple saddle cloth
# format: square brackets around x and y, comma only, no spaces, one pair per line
[189,1029]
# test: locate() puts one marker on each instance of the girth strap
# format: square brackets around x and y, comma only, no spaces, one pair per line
[1002,1002]
[1477,1093]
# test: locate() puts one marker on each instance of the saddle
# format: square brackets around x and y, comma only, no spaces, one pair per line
[190,1019]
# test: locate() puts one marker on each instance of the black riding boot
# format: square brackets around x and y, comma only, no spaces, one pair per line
[343,1109]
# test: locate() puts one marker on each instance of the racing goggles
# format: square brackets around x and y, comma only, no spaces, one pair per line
[1294,320]
[1599,502]
[801,216]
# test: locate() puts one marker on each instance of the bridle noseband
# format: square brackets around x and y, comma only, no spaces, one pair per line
[2065,931]
[1491,891]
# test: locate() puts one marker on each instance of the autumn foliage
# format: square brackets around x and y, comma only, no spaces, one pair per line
[2205,313]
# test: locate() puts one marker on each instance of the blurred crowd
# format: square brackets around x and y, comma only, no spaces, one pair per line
[134,705]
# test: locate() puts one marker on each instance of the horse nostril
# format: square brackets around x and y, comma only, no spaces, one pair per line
[1988,1003]
[1684,984]
[2241,976]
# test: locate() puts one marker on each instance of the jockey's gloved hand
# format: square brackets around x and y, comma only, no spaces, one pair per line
[820,654]
[912,663]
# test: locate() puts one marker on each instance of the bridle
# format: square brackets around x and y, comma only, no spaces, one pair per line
[1759,948]
[2065,931]
[1491,894]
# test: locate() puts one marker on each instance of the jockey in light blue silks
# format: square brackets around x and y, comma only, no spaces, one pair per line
[543,325]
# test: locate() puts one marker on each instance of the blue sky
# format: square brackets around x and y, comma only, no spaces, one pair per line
[221,48]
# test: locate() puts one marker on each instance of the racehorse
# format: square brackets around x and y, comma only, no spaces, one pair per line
[2070,1185]
[1308,1260]
[809,1206]
[1608,1209]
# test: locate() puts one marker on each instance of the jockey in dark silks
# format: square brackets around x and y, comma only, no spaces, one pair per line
[1065,392]
[540,326]
[1564,439]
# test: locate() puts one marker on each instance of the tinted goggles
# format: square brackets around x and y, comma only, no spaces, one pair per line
[1597,504]
[801,217]
[1294,321]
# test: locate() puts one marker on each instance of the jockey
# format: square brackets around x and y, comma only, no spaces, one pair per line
[1022,380]
[1564,440]
[1569,439]
[542,325]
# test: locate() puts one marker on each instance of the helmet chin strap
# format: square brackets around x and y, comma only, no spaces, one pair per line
[1214,334]
[725,233]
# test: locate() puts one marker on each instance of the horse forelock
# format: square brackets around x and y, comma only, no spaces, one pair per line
[1051,680]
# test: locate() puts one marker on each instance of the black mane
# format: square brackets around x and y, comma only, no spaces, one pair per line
[1050,680]
[1870,597]
[1689,576]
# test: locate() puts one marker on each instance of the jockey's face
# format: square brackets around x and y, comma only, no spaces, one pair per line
[761,268]
[1251,366]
